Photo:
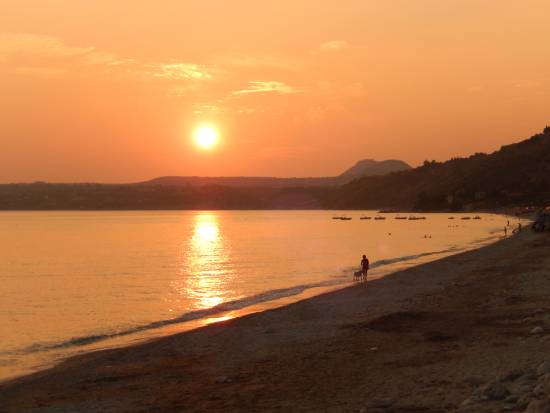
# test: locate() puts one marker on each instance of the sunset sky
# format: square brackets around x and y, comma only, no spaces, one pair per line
[112,91]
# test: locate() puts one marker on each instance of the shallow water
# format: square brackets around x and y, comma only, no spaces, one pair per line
[73,281]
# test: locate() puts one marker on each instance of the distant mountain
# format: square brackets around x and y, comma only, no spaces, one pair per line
[365,167]
[370,167]
[517,174]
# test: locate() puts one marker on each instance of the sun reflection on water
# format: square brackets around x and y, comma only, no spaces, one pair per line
[206,232]
[206,254]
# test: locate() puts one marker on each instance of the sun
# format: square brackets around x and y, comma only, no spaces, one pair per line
[206,137]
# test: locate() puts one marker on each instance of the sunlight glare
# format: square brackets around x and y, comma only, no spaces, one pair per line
[206,137]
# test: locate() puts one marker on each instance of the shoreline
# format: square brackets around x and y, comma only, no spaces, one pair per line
[301,353]
[60,351]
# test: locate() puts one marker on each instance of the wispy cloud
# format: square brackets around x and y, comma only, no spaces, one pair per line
[271,86]
[209,109]
[35,54]
[332,46]
[179,70]
[256,61]
[20,44]
[41,55]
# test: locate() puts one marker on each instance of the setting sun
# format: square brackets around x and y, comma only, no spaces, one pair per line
[206,137]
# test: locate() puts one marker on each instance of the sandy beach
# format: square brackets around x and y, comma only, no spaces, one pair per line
[465,333]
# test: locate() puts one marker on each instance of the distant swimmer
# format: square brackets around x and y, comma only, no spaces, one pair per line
[365,267]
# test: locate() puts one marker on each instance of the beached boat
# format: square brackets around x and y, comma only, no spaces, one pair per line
[400,217]
[465,218]
[379,218]
[365,218]
[477,217]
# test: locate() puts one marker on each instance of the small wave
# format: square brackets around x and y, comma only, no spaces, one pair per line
[389,261]
[190,316]
[238,304]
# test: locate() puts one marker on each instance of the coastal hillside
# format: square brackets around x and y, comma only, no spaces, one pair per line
[370,167]
[363,168]
[516,174]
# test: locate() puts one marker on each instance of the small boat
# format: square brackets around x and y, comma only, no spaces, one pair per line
[451,217]
[365,218]
[400,217]
[477,217]
[465,218]
[346,218]
[379,218]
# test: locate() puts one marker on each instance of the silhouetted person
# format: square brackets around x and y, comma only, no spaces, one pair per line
[505,231]
[365,266]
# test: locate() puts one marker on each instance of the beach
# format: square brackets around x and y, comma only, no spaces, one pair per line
[431,338]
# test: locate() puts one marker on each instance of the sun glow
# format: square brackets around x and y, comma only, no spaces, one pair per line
[206,137]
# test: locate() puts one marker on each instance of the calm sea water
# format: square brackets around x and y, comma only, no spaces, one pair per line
[75,281]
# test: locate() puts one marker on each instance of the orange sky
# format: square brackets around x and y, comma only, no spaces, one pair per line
[111,91]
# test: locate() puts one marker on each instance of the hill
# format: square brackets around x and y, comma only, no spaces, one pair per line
[516,174]
[370,167]
[365,167]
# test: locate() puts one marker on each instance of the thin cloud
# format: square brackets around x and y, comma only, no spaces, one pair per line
[179,70]
[40,55]
[34,54]
[24,44]
[332,46]
[259,61]
[271,86]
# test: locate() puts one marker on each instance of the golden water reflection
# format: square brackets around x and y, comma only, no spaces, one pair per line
[206,257]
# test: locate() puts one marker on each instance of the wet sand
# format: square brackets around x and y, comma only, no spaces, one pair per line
[419,340]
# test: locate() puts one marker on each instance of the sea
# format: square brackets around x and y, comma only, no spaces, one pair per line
[74,282]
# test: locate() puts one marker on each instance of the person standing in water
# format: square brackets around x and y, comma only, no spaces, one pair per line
[365,267]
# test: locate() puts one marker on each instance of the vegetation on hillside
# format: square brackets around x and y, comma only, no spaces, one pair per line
[514,175]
